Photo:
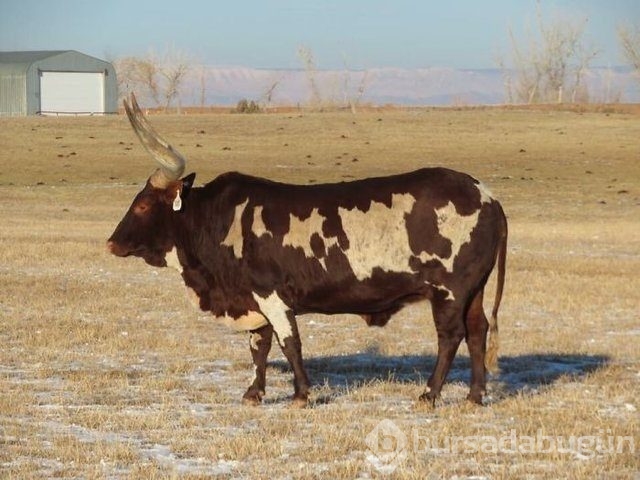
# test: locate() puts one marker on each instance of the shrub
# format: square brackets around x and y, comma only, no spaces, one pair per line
[246,106]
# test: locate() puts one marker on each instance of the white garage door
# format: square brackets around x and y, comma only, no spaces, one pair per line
[71,92]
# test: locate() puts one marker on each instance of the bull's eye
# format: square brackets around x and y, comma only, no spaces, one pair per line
[141,208]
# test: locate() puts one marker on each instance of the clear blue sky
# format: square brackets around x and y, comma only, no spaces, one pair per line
[374,33]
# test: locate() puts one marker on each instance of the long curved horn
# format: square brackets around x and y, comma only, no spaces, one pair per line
[172,163]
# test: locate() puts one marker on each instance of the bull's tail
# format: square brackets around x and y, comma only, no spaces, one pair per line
[491,357]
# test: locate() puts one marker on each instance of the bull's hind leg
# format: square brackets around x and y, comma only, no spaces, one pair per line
[260,343]
[476,337]
[449,320]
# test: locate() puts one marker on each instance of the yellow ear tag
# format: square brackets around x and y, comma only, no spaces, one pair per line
[177,202]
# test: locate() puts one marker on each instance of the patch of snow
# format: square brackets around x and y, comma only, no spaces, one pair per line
[163,455]
[634,331]
[381,466]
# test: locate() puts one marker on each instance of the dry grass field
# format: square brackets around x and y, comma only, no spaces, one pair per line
[107,371]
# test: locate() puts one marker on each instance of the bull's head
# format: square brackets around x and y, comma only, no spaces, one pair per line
[147,229]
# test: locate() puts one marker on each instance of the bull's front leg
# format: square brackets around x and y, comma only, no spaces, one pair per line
[285,327]
[289,341]
[260,345]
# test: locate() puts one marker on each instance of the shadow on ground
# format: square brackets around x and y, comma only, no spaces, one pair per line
[518,374]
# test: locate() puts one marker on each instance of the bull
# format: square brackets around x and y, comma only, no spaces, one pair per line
[257,253]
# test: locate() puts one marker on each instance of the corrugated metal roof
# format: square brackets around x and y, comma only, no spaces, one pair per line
[19,62]
[29,56]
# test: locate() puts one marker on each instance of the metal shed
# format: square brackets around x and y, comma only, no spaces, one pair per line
[56,82]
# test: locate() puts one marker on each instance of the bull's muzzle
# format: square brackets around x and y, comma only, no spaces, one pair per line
[115,249]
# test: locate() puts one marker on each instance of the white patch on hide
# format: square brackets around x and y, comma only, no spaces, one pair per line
[249,321]
[454,227]
[378,237]
[171,257]
[442,288]
[254,339]
[276,311]
[301,231]
[234,235]
[485,194]
[258,227]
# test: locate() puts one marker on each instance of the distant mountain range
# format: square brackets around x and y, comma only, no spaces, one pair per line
[428,86]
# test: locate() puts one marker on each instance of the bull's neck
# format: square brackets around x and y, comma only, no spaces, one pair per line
[190,227]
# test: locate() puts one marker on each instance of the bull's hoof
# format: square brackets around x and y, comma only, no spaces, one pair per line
[252,398]
[251,402]
[429,398]
[475,398]
[299,402]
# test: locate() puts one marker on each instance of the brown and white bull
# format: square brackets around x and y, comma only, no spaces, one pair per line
[257,253]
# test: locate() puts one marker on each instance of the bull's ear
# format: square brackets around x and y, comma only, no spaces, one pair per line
[187,183]
[177,191]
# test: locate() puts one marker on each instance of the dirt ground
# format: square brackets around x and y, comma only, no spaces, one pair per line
[107,371]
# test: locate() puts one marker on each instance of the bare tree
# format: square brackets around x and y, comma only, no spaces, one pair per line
[352,99]
[139,75]
[173,69]
[630,42]
[267,97]
[159,79]
[306,56]
[362,86]
[506,78]
[147,76]
[203,85]
[551,64]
